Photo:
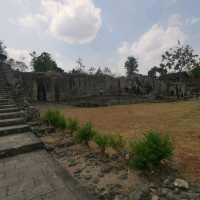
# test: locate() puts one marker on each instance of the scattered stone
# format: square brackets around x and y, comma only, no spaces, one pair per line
[123,176]
[49,147]
[155,197]
[141,193]
[95,180]
[180,183]
[87,176]
[106,169]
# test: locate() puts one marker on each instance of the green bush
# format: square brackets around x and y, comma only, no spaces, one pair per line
[55,119]
[85,133]
[72,125]
[102,141]
[116,142]
[150,151]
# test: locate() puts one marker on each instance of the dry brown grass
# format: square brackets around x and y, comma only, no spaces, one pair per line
[180,120]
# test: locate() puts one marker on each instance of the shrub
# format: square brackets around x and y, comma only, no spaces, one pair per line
[55,119]
[85,133]
[116,142]
[102,141]
[72,125]
[148,152]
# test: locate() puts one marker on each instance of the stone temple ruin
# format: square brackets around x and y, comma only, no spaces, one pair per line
[99,90]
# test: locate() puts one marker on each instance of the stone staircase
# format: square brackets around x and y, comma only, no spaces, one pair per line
[27,171]
[15,135]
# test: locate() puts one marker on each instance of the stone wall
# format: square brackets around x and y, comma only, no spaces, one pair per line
[84,89]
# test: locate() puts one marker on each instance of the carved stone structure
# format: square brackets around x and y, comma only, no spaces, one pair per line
[95,90]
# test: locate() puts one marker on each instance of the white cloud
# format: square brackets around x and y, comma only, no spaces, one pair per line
[150,46]
[195,20]
[176,20]
[20,55]
[33,21]
[73,21]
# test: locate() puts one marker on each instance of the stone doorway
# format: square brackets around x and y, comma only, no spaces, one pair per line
[41,92]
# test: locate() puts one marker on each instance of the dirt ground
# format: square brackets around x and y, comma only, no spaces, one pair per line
[181,120]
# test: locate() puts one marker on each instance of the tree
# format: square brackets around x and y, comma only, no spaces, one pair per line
[196,72]
[91,70]
[17,65]
[99,71]
[153,71]
[131,66]
[2,48]
[179,59]
[44,63]
[81,67]
[107,71]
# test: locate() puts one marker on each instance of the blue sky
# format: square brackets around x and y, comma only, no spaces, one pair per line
[101,32]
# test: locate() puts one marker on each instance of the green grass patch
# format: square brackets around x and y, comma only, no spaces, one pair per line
[55,118]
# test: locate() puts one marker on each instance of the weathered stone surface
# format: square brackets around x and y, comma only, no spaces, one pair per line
[180,183]
[35,176]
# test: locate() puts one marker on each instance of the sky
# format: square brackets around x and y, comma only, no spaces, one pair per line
[103,33]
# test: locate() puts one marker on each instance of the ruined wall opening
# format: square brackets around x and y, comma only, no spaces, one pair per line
[57,93]
[41,94]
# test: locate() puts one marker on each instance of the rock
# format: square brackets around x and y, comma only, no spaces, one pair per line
[95,180]
[69,143]
[100,174]
[123,176]
[49,147]
[155,197]
[164,191]
[141,193]
[87,177]
[180,183]
[106,169]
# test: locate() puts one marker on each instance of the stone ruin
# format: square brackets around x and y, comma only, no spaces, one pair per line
[98,90]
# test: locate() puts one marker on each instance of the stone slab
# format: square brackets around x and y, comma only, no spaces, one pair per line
[15,129]
[36,176]
[20,143]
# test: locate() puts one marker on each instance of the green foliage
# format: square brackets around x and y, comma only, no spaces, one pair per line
[150,151]
[179,59]
[44,63]
[55,119]
[72,125]
[116,142]
[85,133]
[102,141]
[131,66]
[196,72]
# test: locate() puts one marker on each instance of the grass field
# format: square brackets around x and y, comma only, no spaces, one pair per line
[180,120]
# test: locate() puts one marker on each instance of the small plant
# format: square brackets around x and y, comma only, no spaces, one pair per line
[72,125]
[55,119]
[85,133]
[150,151]
[102,141]
[116,142]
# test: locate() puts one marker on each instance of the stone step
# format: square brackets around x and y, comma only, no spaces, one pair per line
[7,106]
[16,129]
[12,145]
[6,103]
[11,115]
[4,95]
[10,122]
[7,110]
[5,100]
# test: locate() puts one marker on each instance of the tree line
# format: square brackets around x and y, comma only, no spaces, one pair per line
[179,59]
